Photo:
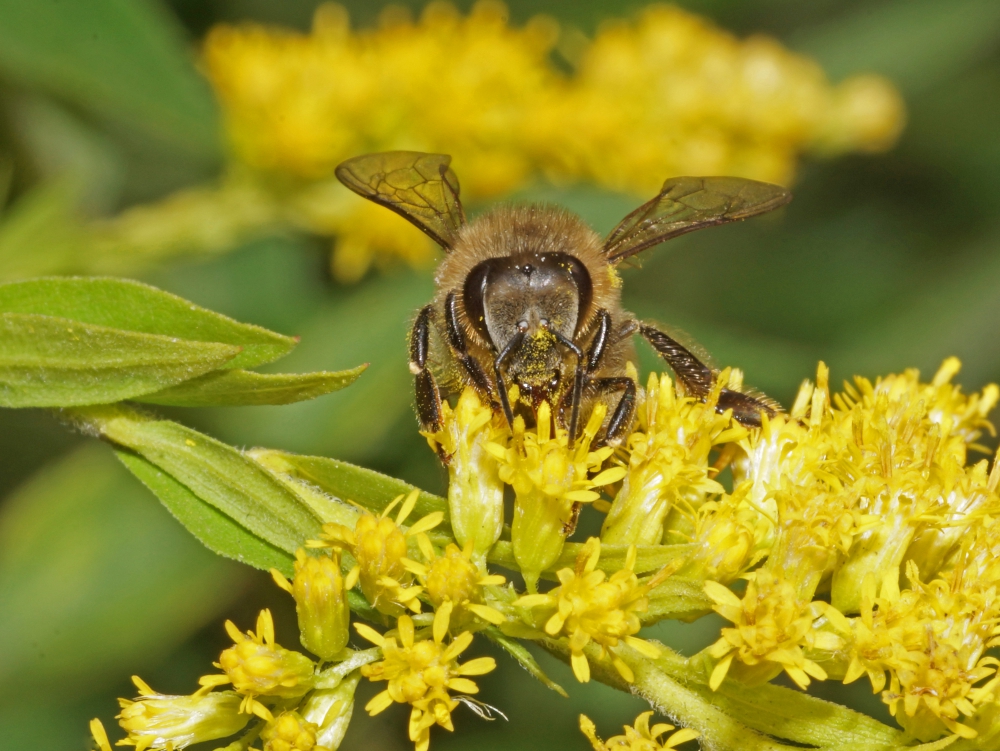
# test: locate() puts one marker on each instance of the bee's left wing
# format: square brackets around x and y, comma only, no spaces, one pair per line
[419,187]
[686,204]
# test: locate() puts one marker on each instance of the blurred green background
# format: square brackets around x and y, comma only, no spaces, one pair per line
[881,263]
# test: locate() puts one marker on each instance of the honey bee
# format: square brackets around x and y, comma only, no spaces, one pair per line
[529,296]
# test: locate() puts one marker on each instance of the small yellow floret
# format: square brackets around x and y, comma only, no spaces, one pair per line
[257,666]
[159,721]
[421,672]
[589,606]
[772,629]
[641,737]
[379,545]
[454,585]
[289,732]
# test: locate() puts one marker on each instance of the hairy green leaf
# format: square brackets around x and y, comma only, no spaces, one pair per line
[348,482]
[216,531]
[124,59]
[47,361]
[231,388]
[218,474]
[133,306]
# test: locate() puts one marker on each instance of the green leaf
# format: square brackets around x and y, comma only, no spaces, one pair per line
[133,306]
[782,712]
[125,59]
[218,474]
[96,580]
[348,482]
[55,362]
[216,531]
[231,388]
[519,652]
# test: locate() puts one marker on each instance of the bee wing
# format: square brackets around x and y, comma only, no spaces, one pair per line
[419,187]
[686,204]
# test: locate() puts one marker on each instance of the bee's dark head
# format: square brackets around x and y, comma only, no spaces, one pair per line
[527,293]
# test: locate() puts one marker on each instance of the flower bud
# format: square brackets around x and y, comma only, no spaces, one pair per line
[289,732]
[257,666]
[320,602]
[161,721]
[331,710]
[475,490]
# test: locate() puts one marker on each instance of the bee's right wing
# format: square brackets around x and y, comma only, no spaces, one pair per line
[686,204]
[419,187]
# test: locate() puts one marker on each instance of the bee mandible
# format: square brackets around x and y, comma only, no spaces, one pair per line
[528,295]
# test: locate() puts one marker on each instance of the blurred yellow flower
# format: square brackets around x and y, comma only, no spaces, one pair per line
[663,94]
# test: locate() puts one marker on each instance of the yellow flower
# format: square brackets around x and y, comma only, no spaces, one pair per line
[550,481]
[588,606]
[289,732]
[421,673]
[475,490]
[379,546]
[158,721]
[905,457]
[930,640]
[320,602]
[257,666]
[668,454]
[641,737]
[454,585]
[772,628]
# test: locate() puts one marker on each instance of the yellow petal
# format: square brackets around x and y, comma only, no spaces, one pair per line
[488,614]
[608,476]
[719,672]
[428,522]
[463,686]
[682,736]
[581,668]
[722,595]
[379,703]
[442,618]
[367,632]
[478,666]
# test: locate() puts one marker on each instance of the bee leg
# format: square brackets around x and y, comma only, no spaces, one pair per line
[456,339]
[699,378]
[578,378]
[599,345]
[512,345]
[427,395]
[621,418]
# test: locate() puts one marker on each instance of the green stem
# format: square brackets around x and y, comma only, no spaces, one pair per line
[737,718]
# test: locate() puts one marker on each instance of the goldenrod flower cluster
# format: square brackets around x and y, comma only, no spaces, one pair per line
[665,93]
[855,540]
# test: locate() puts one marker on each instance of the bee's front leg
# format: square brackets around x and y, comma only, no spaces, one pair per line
[456,340]
[698,379]
[425,387]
